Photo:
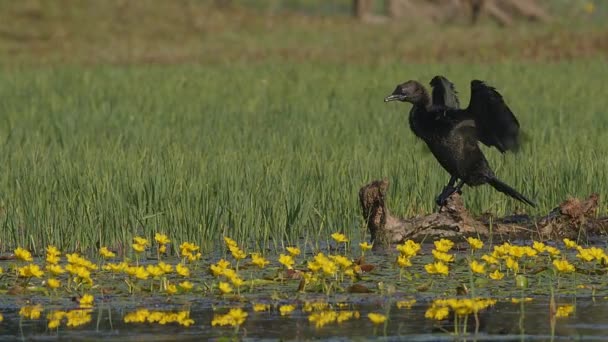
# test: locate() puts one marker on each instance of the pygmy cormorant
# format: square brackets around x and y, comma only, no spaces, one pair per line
[452,133]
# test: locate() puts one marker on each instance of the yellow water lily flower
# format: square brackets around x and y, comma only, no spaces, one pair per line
[443,245]
[30,271]
[286,309]
[376,318]
[441,256]
[182,270]
[261,307]
[365,246]
[564,311]
[286,260]
[496,275]
[106,253]
[339,237]
[53,283]
[259,260]
[23,254]
[161,239]
[563,266]
[475,243]
[294,251]
[86,301]
[437,268]
[224,287]
[477,267]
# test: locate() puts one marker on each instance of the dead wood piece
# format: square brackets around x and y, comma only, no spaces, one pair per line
[570,219]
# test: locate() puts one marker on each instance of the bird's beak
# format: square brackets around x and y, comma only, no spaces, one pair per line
[394,97]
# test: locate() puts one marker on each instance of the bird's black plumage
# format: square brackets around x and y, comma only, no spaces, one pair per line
[452,133]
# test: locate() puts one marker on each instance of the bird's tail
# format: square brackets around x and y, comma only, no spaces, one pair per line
[506,189]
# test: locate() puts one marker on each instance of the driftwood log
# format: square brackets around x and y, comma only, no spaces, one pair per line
[573,218]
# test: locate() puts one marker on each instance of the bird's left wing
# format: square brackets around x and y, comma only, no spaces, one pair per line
[496,125]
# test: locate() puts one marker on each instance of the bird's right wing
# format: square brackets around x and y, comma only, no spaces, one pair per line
[444,94]
[496,124]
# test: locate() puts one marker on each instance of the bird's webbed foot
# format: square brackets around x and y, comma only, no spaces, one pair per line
[447,191]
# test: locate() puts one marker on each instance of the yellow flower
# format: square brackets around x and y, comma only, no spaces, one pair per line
[166,268]
[234,317]
[539,246]
[590,254]
[441,256]
[53,283]
[563,266]
[31,311]
[30,270]
[261,307]
[237,281]
[286,260]
[171,289]
[86,301]
[519,300]
[139,248]
[346,315]
[141,241]
[237,253]
[161,239]
[182,270]
[365,246]
[437,312]
[496,275]
[286,309]
[259,260]
[341,260]
[489,259]
[339,237]
[141,273]
[570,244]
[52,259]
[224,287]
[437,268]
[403,261]
[376,318]
[477,267]
[406,304]
[475,243]
[409,248]
[552,250]
[294,251]
[55,269]
[443,245]
[78,317]
[55,318]
[139,316]
[23,254]
[564,310]
[154,270]
[322,318]
[512,264]
[106,253]
[186,285]
[230,242]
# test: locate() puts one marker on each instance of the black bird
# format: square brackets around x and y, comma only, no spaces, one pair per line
[452,133]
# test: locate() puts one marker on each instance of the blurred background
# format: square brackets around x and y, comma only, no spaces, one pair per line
[362,31]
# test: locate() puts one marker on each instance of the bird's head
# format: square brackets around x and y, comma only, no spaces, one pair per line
[410,91]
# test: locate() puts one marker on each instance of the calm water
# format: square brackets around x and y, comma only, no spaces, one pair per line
[504,321]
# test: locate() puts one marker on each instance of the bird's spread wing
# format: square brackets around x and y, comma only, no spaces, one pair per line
[496,124]
[444,94]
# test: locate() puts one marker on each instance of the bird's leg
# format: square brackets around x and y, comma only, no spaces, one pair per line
[446,192]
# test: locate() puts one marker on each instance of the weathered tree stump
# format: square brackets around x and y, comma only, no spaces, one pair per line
[572,219]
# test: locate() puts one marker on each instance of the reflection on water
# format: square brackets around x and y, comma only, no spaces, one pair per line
[192,321]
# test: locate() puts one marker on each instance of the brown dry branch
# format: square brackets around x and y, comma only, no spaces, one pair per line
[572,219]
